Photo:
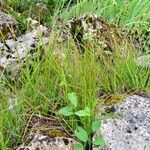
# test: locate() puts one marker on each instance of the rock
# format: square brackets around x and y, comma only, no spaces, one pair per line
[44,133]
[8,25]
[91,28]
[143,61]
[131,129]
[39,123]
[25,46]
[6,19]
[33,23]
[41,142]
[88,32]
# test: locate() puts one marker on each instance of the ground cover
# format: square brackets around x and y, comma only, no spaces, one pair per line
[70,86]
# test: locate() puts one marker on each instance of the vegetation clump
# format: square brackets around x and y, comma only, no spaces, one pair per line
[80,77]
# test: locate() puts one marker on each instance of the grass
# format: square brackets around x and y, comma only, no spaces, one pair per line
[122,13]
[45,90]
[132,16]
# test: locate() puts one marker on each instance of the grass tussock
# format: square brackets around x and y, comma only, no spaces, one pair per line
[43,87]
[65,70]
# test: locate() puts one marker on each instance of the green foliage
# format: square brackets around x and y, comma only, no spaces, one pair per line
[78,147]
[66,111]
[87,76]
[10,121]
[83,113]
[73,99]
[22,21]
[49,87]
[81,134]
[133,15]
[124,13]
[99,141]
[96,125]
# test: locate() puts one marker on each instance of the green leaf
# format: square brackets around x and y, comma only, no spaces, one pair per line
[96,125]
[83,113]
[81,134]
[73,98]
[66,111]
[99,141]
[78,147]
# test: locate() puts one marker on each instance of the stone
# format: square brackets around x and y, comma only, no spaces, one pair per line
[6,19]
[143,61]
[33,22]
[86,29]
[44,133]
[131,129]
[25,46]
[8,25]
[41,142]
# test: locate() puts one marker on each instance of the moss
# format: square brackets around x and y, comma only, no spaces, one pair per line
[114,99]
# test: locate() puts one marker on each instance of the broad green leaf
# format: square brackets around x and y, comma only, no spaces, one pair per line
[81,134]
[99,141]
[83,113]
[73,98]
[78,147]
[96,125]
[66,111]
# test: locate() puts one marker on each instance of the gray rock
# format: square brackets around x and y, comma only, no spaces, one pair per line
[143,61]
[131,129]
[6,19]
[7,25]
[20,49]
[1,46]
